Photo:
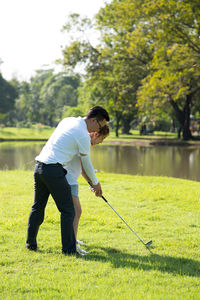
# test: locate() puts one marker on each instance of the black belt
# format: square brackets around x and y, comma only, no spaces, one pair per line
[41,163]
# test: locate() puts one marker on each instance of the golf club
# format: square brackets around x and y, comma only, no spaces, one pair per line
[145,244]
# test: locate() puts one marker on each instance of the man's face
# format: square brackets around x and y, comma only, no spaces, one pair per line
[96,138]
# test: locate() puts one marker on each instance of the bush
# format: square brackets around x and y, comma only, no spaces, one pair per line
[24,124]
[69,111]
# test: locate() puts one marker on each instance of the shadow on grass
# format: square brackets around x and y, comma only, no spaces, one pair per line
[165,264]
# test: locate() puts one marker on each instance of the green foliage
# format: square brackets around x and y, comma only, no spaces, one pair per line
[43,99]
[2,117]
[145,63]
[8,94]
[118,266]
[72,111]
[147,59]
[58,90]
[107,81]
[173,35]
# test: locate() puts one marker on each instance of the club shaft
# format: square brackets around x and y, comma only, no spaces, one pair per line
[126,223]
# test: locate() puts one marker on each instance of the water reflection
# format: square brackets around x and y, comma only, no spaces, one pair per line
[18,155]
[174,161]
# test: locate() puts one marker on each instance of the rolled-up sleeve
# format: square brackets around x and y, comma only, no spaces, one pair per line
[89,170]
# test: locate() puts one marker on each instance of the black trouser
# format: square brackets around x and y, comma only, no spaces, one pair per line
[50,179]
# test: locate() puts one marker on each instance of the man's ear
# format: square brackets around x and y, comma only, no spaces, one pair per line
[96,134]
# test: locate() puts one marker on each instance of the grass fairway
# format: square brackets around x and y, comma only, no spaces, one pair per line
[44,132]
[118,266]
[12,133]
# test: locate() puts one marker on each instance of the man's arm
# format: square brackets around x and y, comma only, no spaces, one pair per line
[85,175]
[89,174]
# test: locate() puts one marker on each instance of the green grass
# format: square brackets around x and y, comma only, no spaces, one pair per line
[25,133]
[45,132]
[118,266]
[134,134]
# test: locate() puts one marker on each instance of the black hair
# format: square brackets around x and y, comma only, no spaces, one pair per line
[99,113]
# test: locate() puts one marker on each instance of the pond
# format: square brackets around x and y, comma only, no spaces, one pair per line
[173,161]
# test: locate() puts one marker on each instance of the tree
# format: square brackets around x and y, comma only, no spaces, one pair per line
[128,63]
[155,45]
[164,35]
[172,31]
[148,57]
[112,77]
[23,104]
[42,99]
[70,111]
[176,83]
[58,91]
[8,94]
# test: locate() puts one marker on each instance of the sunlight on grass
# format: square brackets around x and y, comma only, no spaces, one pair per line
[118,265]
[44,133]
[25,133]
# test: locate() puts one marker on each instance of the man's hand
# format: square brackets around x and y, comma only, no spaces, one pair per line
[97,189]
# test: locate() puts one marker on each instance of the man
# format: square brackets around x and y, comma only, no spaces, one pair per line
[74,169]
[70,138]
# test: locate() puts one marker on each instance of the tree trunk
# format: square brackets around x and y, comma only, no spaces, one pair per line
[179,132]
[117,116]
[126,123]
[183,117]
[186,126]
[116,131]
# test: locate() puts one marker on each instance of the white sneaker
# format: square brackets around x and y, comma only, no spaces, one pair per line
[81,251]
[80,242]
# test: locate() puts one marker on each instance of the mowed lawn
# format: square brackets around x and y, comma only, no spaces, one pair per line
[118,265]
[43,132]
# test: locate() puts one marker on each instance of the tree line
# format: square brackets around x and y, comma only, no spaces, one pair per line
[144,67]
[47,98]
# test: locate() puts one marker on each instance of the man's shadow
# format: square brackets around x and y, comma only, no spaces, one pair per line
[163,263]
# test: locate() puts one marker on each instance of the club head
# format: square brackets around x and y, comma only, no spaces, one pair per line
[148,244]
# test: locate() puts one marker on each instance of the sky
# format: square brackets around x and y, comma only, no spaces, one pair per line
[30,33]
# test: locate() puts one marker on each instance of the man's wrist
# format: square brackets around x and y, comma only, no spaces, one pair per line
[95,182]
